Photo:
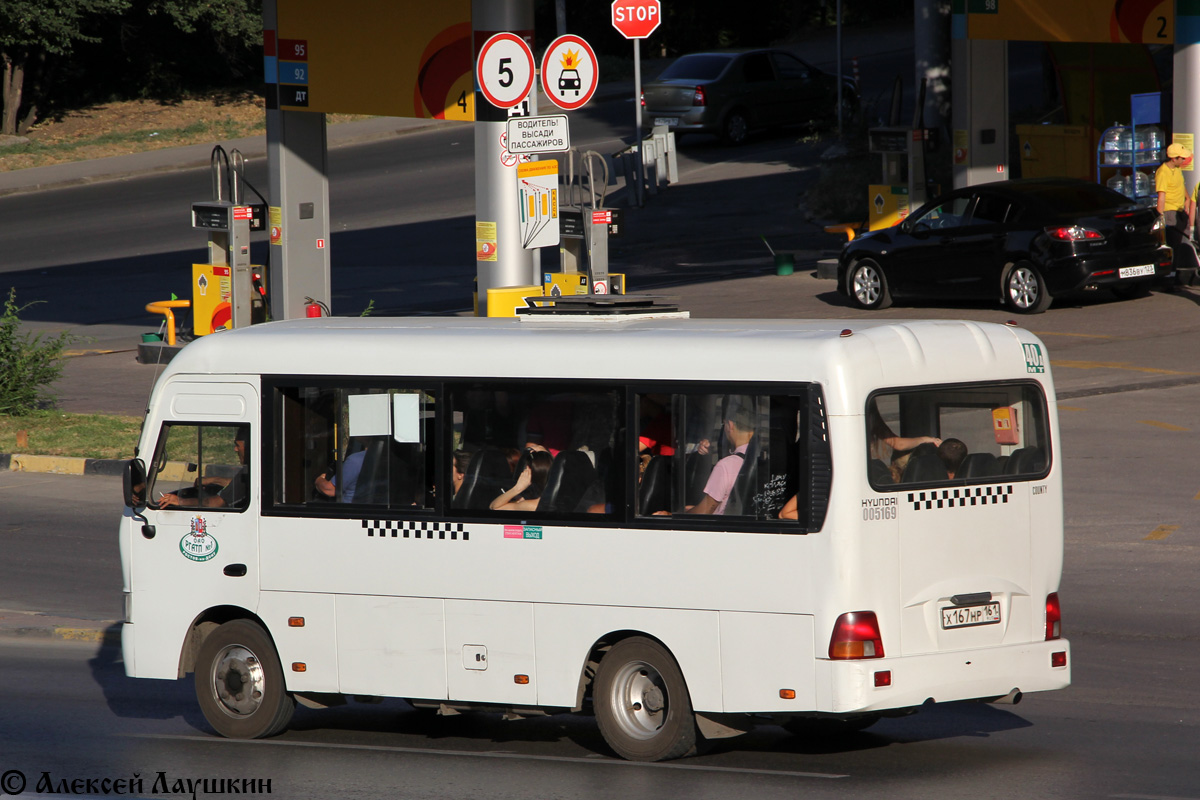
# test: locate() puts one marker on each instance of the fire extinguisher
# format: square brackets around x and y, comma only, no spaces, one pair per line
[315,308]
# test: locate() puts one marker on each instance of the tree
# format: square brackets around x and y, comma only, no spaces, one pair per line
[32,32]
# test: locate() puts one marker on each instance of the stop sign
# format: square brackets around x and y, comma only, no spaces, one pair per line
[636,19]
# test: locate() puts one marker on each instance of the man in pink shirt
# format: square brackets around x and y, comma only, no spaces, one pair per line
[739,430]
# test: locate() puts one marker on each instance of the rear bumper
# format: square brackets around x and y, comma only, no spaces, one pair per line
[693,119]
[847,687]
[1079,272]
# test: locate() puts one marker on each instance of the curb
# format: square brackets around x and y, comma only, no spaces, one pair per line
[61,465]
[106,633]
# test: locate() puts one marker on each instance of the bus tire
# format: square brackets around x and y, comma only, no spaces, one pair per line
[239,682]
[641,702]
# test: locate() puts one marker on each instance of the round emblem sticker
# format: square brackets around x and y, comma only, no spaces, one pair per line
[197,544]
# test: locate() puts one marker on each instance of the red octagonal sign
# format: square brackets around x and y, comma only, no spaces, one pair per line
[636,19]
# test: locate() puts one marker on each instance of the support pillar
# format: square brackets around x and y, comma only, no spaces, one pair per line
[979,91]
[502,261]
[1185,95]
[298,190]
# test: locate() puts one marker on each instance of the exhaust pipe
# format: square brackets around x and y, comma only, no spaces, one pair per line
[1010,699]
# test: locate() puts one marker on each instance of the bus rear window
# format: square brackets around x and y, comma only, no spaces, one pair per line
[957,434]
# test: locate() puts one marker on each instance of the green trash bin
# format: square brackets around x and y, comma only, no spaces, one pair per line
[785,263]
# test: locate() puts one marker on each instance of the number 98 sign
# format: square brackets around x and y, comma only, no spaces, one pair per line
[505,70]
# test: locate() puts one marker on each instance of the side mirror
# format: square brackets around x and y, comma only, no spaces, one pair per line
[133,482]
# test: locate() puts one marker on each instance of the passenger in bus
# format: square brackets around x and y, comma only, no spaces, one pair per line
[952,452]
[525,493]
[462,460]
[739,430]
[326,483]
[233,492]
[882,435]
[790,509]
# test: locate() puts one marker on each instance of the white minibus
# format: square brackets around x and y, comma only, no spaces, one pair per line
[683,527]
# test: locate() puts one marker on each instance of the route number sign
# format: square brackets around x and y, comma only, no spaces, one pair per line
[636,19]
[505,70]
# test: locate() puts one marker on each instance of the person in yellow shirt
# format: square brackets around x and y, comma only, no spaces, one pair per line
[1178,211]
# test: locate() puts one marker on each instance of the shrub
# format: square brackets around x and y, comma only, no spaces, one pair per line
[28,363]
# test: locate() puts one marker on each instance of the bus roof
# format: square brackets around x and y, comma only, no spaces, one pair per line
[855,356]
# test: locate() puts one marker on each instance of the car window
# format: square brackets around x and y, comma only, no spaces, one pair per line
[696,68]
[757,68]
[789,68]
[950,214]
[989,210]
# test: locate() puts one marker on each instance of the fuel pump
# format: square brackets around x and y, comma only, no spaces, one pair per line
[228,291]
[586,227]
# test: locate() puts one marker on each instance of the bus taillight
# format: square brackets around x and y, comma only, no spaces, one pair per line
[856,635]
[1053,617]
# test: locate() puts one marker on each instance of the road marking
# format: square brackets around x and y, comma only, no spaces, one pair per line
[1166,426]
[1122,365]
[1150,797]
[1160,533]
[1071,408]
[468,754]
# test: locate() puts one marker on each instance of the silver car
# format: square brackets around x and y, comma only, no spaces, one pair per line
[732,93]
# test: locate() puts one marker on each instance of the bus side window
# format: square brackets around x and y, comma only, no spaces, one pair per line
[731,455]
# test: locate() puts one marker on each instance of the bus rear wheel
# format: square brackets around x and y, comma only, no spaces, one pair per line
[641,702]
[239,682]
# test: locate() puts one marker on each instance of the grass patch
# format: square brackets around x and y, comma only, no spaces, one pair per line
[52,433]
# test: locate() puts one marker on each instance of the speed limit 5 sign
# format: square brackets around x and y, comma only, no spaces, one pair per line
[505,70]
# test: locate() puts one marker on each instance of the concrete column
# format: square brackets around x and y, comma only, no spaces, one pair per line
[1185,97]
[979,91]
[496,183]
[931,49]
[299,201]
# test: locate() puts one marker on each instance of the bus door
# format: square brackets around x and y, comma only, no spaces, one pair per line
[202,485]
[964,526]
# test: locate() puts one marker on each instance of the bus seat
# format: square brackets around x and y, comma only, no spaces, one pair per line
[923,468]
[978,465]
[570,476]
[654,493]
[879,472]
[1025,461]
[487,476]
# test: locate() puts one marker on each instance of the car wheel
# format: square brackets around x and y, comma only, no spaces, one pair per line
[867,286]
[239,682]
[1132,291]
[736,127]
[641,702]
[1024,290]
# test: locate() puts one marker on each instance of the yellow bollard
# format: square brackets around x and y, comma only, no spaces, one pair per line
[164,307]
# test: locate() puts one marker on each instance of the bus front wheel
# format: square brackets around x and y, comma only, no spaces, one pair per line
[239,682]
[641,702]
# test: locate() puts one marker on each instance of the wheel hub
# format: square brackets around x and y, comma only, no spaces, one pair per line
[642,703]
[238,681]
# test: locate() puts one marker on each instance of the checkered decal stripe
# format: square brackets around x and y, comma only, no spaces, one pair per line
[958,498]
[415,529]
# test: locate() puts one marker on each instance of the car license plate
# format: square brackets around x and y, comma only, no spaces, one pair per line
[1136,272]
[668,121]
[968,616]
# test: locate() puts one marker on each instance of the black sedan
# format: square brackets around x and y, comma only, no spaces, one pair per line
[1023,242]
[733,93]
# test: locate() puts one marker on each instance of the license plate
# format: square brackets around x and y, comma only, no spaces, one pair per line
[968,616]
[1136,272]
[668,121]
